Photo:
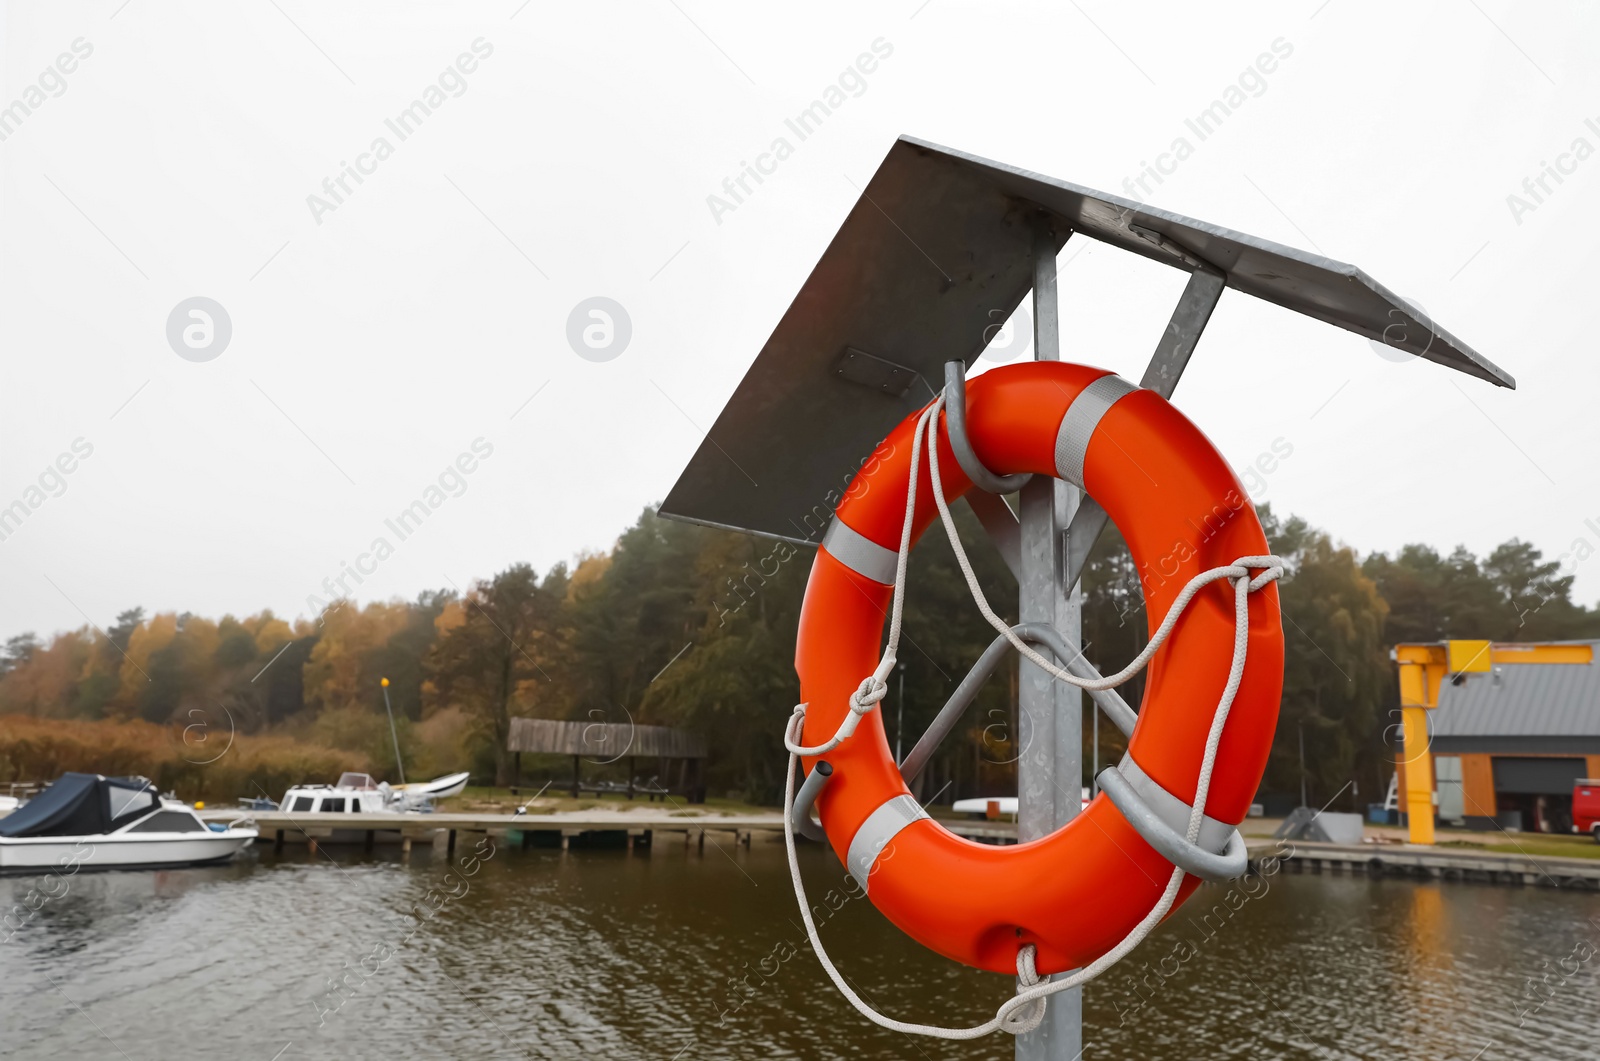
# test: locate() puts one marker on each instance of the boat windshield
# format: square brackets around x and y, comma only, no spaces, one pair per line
[351,780]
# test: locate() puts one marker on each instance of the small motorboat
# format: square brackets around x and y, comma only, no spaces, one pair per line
[359,794]
[438,788]
[87,821]
[353,794]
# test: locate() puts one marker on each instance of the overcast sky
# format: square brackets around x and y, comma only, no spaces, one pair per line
[169,152]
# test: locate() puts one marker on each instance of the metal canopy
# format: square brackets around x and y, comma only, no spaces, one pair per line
[935,254]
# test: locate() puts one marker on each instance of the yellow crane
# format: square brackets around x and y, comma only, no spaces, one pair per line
[1423,670]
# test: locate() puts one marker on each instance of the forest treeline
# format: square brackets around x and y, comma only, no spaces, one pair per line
[694,627]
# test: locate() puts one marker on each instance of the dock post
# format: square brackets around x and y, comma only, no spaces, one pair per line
[277,843]
[1050,713]
[450,844]
[702,840]
[367,846]
[405,849]
[311,844]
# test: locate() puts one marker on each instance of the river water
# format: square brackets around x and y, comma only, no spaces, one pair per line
[672,954]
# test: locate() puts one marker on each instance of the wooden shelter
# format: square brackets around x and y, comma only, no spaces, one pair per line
[678,753]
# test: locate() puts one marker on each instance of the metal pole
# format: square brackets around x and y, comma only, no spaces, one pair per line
[900,715]
[393,733]
[1301,726]
[1094,755]
[1050,713]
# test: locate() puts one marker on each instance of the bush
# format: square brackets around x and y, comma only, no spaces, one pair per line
[194,762]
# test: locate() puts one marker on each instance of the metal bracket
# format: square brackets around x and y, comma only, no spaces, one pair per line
[1177,343]
[1188,320]
[955,421]
[1116,709]
[1231,862]
[1082,532]
[875,373]
[1000,524]
[800,816]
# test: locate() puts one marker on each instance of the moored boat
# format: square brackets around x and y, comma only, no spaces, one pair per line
[438,788]
[86,821]
[357,793]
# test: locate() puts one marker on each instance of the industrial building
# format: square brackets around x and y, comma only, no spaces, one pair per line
[1508,745]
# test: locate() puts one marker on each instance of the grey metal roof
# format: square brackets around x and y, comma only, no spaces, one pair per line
[934,254]
[1523,700]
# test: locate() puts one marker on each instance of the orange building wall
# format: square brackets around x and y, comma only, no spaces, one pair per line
[1477,779]
[1477,785]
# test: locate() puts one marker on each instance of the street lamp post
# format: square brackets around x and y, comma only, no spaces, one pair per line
[900,716]
[1301,726]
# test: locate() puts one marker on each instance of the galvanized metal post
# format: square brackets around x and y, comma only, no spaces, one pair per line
[1050,713]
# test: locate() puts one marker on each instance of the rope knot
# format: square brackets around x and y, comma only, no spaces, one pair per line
[1029,1016]
[872,690]
[1272,569]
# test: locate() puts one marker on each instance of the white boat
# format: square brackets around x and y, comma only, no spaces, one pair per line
[1002,806]
[360,794]
[438,788]
[86,821]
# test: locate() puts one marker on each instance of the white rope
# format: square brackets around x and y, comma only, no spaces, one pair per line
[875,687]
[1109,681]
[1025,1010]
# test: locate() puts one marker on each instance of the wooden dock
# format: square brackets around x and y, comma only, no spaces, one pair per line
[1429,863]
[651,827]
[593,829]
[605,829]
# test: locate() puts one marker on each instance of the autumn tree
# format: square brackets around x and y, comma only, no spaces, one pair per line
[1336,669]
[18,651]
[493,646]
[629,613]
[733,677]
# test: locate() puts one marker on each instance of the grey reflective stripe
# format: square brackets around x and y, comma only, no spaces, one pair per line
[859,553]
[876,833]
[1172,810]
[1083,416]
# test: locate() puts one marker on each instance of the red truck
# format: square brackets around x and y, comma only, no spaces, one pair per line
[1586,807]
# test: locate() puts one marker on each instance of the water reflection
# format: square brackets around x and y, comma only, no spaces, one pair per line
[674,954]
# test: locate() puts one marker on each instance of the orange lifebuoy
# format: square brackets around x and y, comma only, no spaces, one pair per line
[1078,892]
